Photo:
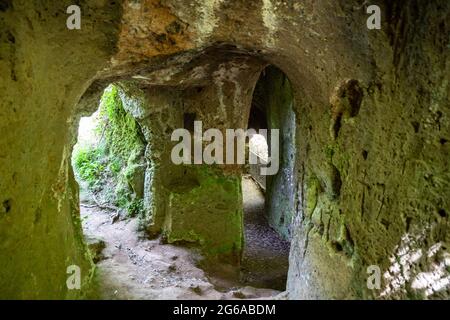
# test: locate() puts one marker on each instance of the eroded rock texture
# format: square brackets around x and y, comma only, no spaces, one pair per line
[371,173]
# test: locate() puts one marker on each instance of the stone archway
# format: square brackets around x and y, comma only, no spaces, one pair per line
[364,190]
[216,89]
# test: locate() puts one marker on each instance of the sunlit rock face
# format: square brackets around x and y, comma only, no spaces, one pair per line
[371,162]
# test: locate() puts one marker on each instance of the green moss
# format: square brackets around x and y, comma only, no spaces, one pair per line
[329,152]
[88,165]
[135,207]
[122,133]
[312,193]
[109,167]
[206,208]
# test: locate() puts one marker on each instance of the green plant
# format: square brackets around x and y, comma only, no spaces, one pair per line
[110,166]
[123,195]
[115,165]
[121,131]
[88,164]
[135,207]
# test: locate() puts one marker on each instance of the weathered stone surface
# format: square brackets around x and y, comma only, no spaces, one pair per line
[371,162]
[274,93]
[45,69]
[96,246]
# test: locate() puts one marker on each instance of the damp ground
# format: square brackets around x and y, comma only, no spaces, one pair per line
[129,266]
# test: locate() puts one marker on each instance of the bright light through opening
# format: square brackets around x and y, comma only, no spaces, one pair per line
[87,135]
[258,145]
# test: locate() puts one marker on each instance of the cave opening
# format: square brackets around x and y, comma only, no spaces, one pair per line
[109,166]
[115,152]
[363,179]
[268,199]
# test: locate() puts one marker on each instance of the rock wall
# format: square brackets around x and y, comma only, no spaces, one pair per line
[274,93]
[192,204]
[373,170]
[372,127]
[45,69]
[198,203]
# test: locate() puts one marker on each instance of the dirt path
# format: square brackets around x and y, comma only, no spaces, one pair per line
[135,268]
[265,261]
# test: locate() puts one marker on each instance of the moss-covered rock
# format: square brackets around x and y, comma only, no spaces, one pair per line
[206,208]
[379,98]
[114,168]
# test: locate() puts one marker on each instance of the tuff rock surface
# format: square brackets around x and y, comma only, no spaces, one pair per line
[370,169]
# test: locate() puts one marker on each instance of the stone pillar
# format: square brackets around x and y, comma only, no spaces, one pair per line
[158,112]
[196,203]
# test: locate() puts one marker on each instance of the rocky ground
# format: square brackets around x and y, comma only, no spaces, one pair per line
[132,267]
[265,261]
